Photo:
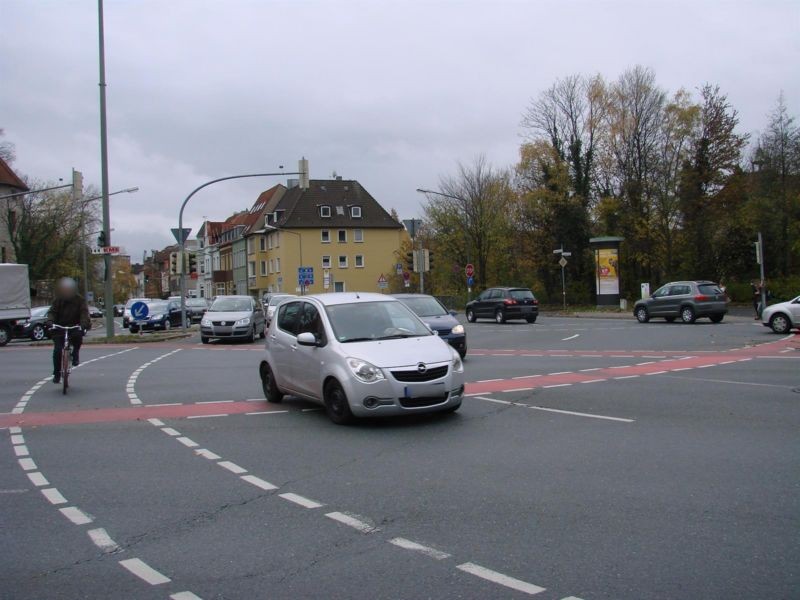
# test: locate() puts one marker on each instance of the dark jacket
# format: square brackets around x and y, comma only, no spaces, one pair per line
[70,311]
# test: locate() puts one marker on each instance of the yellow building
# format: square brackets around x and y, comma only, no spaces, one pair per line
[338,230]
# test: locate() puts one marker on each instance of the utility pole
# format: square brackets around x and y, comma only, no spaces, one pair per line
[108,288]
[563,262]
[760,260]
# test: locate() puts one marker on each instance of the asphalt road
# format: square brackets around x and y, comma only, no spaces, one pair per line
[593,458]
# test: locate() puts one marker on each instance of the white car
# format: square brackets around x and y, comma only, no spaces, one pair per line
[359,355]
[782,317]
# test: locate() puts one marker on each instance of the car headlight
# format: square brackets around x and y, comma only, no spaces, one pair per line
[241,322]
[205,322]
[156,317]
[364,371]
[457,330]
[458,364]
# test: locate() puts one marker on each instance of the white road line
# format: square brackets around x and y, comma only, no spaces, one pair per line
[206,416]
[682,369]
[304,410]
[620,355]
[656,373]
[156,422]
[525,376]
[705,366]
[587,370]
[21,450]
[557,385]
[426,550]
[171,431]
[594,381]
[54,496]
[190,596]
[258,482]
[76,515]
[207,454]
[301,500]
[17,439]
[17,410]
[620,367]
[572,337]
[353,522]
[525,389]
[580,414]
[38,479]
[487,380]
[232,467]
[727,362]
[560,373]
[744,359]
[215,402]
[774,385]
[571,598]
[27,464]
[492,400]
[499,578]
[167,404]
[102,540]
[14,430]
[648,362]
[187,442]
[144,571]
[627,377]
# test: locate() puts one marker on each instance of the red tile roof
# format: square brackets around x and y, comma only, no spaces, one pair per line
[9,178]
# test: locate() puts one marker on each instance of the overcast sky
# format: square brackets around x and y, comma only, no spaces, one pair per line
[390,93]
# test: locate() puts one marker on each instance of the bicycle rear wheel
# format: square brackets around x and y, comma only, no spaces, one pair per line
[66,363]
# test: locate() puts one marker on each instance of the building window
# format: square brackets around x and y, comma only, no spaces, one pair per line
[251,245]
[326,236]
[340,211]
[342,262]
[342,236]
[269,241]
[262,243]
[277,265]
[326,262]
[271,266]
[263,268]
[325,211]
[355,212]
[251,268]
[338,286]
[358,235]
[359,261]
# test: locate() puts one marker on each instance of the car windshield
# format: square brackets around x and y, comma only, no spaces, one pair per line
[157,307]
[522,294]
[711,289]
[231,305]
[196,302]
[275,300]
[425,306]
[370,321]
[40,311]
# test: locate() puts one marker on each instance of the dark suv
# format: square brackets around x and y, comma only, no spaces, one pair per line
[502,304]
[687,300]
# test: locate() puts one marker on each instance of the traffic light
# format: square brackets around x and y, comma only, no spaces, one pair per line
[192,262]
[101,239]
[428,260]
[77,185]
[411,260]
[173,263]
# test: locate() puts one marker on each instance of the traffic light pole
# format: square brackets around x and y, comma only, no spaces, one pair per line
[761,266]
[182,240]
[108,291]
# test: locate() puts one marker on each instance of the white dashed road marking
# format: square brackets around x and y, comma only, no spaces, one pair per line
[38,479]
[185,596]
[499,578]
[353,522]
[301,500]
[232,467]
[144,571]
[102,540]
[258,482]
[426,550]
[76,515]
[572,337]
[54,496]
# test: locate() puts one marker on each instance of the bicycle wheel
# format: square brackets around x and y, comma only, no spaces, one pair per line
[66,363]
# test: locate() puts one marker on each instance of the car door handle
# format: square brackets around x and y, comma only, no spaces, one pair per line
[294,347]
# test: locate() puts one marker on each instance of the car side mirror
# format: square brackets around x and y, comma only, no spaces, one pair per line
[307,339]
[453,313]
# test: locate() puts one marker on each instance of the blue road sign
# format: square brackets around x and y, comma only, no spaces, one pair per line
[305,276]
[139,311]
[470,281]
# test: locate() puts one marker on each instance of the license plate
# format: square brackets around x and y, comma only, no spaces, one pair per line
[425,390]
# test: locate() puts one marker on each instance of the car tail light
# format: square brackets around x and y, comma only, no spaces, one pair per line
[702,298]
[509,301]
[535,301]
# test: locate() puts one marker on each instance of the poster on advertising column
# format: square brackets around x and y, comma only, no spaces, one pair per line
[607,271]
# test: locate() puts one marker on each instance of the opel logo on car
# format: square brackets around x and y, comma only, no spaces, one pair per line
[422,367]
[222,323]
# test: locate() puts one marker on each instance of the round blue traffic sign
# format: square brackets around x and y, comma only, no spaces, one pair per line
[470,281]
[139,311]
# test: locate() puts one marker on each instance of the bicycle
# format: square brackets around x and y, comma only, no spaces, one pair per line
[66,356]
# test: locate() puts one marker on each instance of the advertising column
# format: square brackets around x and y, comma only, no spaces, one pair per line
[606,262]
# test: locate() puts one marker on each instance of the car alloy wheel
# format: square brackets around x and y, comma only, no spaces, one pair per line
[687,314]
[641,315]
[779,323]
[167,325]
[470,316]
[500,317]
[38,333]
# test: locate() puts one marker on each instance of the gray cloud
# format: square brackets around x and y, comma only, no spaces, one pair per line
[390,93]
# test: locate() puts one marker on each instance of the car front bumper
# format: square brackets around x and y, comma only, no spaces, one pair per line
[226,331]
[391,397]
[457,341]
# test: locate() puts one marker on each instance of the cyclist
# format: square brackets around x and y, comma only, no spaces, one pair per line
[68,309]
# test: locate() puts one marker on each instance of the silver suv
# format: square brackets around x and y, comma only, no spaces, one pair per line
[359,355]
[687,300]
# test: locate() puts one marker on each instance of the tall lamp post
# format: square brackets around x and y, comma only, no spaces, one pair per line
[302,172]
[300,241]
[563,262]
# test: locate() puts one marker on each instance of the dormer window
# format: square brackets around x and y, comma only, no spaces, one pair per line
[325,211]
[355,212]
[340,211]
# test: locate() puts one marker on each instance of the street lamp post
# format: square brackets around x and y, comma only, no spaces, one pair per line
[563,262]
[108,291]
[303,173]
[300,241]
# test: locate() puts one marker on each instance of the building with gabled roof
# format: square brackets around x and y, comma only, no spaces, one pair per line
[10,183]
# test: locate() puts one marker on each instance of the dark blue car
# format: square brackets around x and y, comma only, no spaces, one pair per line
[438,318]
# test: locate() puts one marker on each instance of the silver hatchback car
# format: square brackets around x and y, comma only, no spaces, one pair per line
[359,355]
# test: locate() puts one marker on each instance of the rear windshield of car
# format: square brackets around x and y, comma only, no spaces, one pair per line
[709,289]
[231,305]
[425,307]
[196,302]
[522,294]
[39,312]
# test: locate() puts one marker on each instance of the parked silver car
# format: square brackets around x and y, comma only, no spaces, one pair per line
[272,303]
[359,355]
[782,317]
[233,317]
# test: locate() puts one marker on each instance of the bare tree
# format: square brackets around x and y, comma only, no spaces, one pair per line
[7,152]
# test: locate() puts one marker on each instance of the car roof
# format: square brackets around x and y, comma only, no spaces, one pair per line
[235,296]
[401,296]
[695,281]
[335,298]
